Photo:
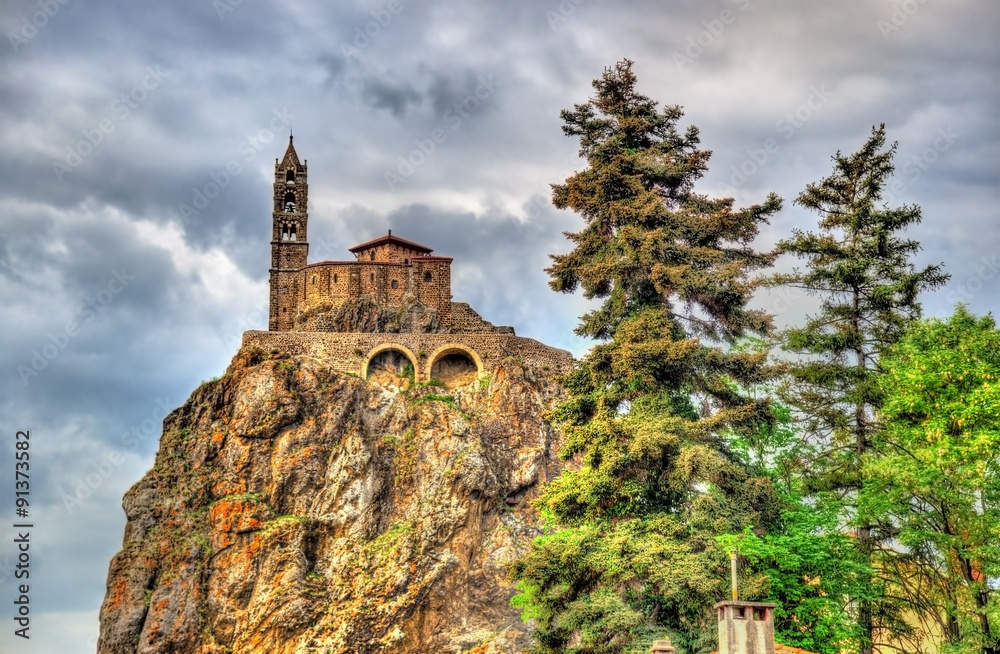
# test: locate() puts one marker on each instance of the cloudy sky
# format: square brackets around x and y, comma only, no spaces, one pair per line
[136,161]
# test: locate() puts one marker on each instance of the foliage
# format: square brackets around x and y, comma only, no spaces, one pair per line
[431,397]
[861,269]
[936,484]
[634,554]
[808,568]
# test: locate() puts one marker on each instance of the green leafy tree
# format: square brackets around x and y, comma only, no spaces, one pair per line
[936,482]
[633,553]
[860,267]
[807,566]
[810,569]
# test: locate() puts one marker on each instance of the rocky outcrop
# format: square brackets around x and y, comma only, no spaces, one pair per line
[367,316]
[294,509]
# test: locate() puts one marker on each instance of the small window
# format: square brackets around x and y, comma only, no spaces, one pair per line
[406,261]
[373,255]
[760,614]
[373,277]
[334,279]
[283,310]
[290,176]
[739,613]
[395,284]
[314,279]
[427,277]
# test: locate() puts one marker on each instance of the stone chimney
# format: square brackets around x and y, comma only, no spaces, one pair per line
[745,627]
[662,647]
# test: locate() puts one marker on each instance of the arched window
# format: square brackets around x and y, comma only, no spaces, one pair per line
[428,277]
[373,255]
[373,277]
[334,279]
[290,202]
[314,279]
[395,284]
[290,176]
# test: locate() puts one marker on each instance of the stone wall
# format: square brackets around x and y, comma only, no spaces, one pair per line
[427,279]
[465,320]
[351,352]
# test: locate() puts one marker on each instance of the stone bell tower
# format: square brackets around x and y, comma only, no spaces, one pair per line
[289,243]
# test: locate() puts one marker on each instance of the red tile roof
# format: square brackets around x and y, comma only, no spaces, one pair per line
[389,238]
[786,649]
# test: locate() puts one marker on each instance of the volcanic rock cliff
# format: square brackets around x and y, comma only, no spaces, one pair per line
[295,509]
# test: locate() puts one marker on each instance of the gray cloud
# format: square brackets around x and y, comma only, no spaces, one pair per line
[233,84]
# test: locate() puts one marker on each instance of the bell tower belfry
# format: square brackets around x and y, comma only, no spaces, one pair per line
[289,232]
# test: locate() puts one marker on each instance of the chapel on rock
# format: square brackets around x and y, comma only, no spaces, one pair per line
[389,308]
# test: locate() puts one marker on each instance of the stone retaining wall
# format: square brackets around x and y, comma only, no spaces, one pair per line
[351,352]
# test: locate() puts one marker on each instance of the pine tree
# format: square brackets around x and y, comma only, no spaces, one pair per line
[861,268]
[633,553]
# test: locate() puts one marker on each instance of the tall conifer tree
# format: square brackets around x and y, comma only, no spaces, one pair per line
[861,268]
[633,553]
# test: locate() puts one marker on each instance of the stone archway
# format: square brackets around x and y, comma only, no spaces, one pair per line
[454,365]
[390,364]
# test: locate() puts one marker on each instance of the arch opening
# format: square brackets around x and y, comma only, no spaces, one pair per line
[454,368]
[391,367]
